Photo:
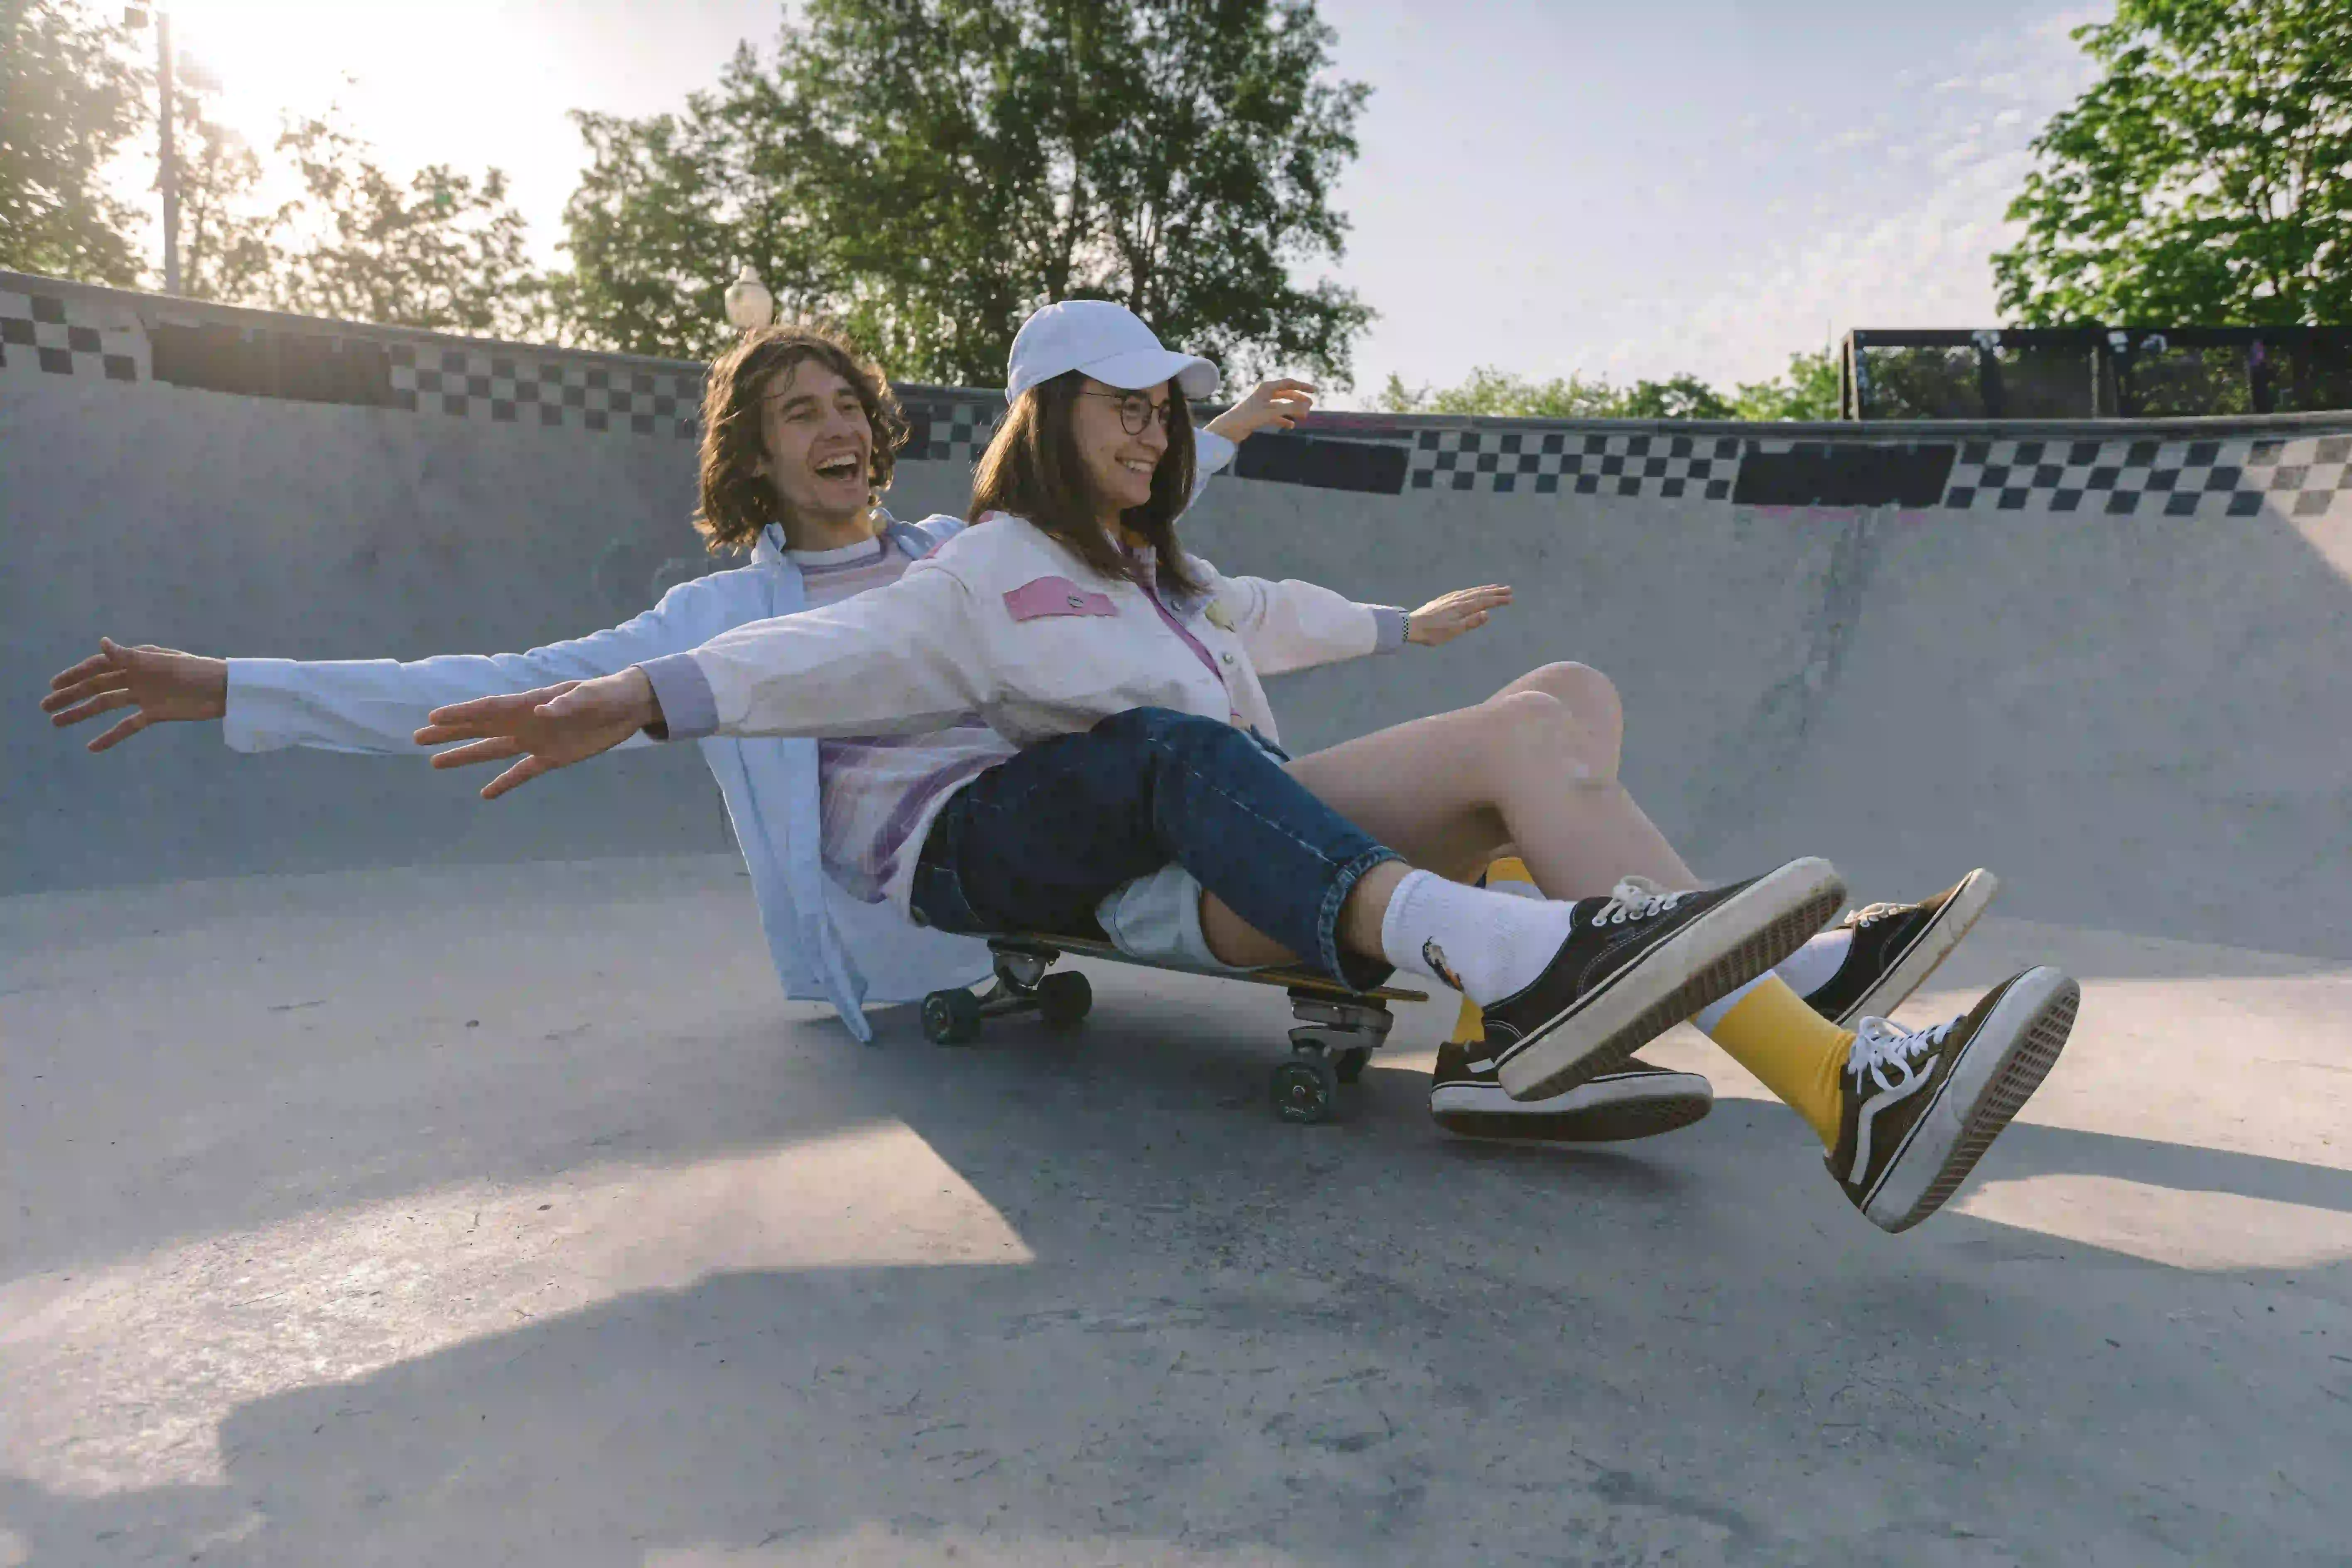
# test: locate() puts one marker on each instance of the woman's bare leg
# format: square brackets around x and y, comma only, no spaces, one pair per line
[1532,770]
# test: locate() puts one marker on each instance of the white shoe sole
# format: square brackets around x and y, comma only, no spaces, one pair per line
[1722,951]
[1928,949]
[2004,1062]
[1607,1110]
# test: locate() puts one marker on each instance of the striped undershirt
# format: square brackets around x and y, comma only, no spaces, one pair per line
[875,791]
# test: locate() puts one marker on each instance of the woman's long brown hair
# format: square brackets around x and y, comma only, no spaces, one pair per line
[1031,470]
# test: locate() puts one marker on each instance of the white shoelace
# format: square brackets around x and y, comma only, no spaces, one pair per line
[1871,914]
[1881,1050]
[1890,1056]
[1635,899]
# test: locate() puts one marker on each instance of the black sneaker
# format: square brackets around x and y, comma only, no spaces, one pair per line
[1897,947]
[1921,1105]
[1634,965]
[1637,1100]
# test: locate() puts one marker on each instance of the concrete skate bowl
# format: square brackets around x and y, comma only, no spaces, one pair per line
[2109,660]
[478,1197]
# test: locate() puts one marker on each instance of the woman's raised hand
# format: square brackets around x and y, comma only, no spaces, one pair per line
[1276,405]
[1448,615]
[551,728]
[162,683]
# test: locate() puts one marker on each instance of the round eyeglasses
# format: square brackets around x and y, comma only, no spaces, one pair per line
[1136,411]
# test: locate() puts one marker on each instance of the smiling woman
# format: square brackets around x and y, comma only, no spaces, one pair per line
[1066,461]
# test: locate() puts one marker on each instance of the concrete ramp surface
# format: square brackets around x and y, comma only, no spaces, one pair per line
[393,1177]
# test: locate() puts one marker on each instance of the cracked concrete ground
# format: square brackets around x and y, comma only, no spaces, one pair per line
[512,1216]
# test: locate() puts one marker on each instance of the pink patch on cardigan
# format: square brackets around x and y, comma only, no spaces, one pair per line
[1056,597]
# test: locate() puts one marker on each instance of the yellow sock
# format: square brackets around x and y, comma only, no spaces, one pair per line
[1800,1055]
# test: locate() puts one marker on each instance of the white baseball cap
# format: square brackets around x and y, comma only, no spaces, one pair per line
[1106,341]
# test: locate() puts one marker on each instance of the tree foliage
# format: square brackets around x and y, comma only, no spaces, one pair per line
[440,249]
[928,171]
[1491,391]
[226,246]
[1809,390]
[71,93]
[667,210]
[2206,178]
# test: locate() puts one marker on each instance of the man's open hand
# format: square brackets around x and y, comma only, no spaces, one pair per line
[551,728]
[161,683]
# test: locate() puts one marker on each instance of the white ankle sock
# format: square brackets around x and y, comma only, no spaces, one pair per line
[1493,944]
[1707,1017]
[1804,972]
[1811,967]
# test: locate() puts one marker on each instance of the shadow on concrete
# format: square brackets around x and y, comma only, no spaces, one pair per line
[1341,1344]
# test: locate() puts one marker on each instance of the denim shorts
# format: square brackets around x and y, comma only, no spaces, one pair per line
[1038,842]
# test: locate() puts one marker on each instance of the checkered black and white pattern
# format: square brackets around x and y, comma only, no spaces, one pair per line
[1698,468]
[959,428]
[98,335]
[2298,477]
[521,388]
[48,334]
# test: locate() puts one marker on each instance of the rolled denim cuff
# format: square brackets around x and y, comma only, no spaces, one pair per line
[1350,969]
[1389,622]
[689,711]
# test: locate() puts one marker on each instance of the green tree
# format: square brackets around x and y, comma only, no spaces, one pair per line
[71,96]
[1679,397]
[227,250]
[1498,393]
[1808,389]
[929,171]
[667,210]
[2205,179]
[440,250]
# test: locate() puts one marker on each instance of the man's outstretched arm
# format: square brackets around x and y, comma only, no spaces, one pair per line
[899,659]
[368,705]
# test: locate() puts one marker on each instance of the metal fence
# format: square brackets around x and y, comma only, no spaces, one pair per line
[2095,373]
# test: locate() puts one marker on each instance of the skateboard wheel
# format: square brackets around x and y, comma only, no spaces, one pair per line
[1305,1089]
[1064,999]
[1351,1065]
[951,1017]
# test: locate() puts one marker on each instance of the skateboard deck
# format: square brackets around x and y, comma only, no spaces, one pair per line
[1298,980]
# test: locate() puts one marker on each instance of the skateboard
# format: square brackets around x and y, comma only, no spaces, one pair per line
[1337,1029]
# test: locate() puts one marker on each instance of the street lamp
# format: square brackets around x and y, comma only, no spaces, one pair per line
[750,306]
[168,173]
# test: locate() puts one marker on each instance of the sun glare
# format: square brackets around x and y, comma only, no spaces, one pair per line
[271,59]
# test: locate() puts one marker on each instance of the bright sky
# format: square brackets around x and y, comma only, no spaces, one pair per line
[1545,185]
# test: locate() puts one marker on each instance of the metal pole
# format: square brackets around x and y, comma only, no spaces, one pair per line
[169,177]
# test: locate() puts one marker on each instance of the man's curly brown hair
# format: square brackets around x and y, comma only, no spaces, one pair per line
[737,502]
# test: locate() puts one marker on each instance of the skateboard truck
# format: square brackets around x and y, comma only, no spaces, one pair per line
[1329,1046]
[1338,1027]
[953,1017]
